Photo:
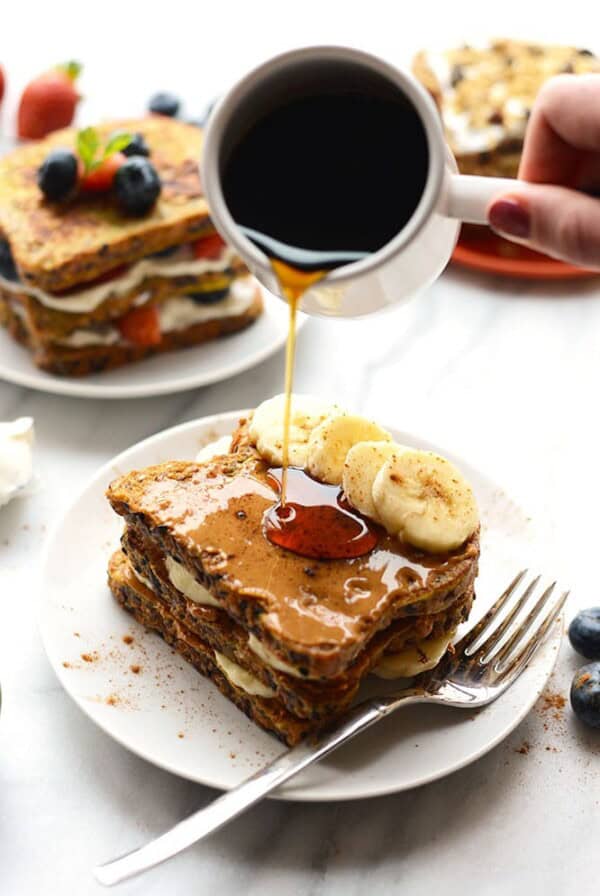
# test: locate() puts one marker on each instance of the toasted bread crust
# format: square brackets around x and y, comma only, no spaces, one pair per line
[77,362]
[269,714]
[56,246]
[320,658]
[316,700]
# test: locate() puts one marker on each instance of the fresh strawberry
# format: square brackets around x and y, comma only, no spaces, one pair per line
[209,247]
[48,102]
[141,326]
[2,83]
[100,178]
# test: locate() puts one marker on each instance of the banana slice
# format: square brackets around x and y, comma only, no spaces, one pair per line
[363,462]
[423,499]
[333,438]
[266,427]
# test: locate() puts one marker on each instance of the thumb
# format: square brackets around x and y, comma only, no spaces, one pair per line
[562,223]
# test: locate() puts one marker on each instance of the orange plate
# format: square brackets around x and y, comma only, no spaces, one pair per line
[481,249]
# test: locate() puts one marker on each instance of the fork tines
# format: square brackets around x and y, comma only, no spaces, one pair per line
[509,639]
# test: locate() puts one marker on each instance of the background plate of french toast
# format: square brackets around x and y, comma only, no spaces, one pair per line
[123,292]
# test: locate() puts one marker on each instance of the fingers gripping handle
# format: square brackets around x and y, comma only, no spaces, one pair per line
[468,196]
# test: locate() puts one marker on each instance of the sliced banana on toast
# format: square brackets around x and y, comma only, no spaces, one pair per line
[331,441]
[418,496]
[363,463]
[266,427]
[424,500]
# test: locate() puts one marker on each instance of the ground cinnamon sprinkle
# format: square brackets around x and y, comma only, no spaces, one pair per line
[554,703]
[89,657]
[112,700]
[136,669]
[127,639]
[524,748]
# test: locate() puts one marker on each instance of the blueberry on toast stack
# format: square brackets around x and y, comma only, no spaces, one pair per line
[87,286]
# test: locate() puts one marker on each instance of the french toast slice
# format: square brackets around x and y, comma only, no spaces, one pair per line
[305,698]
[56,246]
[485,95]
[208,518]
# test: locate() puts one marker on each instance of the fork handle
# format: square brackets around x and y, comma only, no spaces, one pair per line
[227,807]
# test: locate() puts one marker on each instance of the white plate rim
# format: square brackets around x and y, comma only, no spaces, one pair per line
[79,387]
[551,648]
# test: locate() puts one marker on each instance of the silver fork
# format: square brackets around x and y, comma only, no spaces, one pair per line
[483,664]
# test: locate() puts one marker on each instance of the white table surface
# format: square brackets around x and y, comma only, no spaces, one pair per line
[503,372]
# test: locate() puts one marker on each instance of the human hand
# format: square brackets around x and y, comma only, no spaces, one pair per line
[556,210]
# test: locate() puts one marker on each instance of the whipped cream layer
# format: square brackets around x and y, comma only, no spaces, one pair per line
[177,313]
[180,264]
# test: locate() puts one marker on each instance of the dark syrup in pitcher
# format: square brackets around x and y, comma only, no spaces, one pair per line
[331,168]
[328,173]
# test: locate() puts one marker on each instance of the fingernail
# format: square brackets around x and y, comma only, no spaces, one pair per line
[511,217]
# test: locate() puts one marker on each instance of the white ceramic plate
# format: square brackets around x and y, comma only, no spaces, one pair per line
[152,702]
[171,372]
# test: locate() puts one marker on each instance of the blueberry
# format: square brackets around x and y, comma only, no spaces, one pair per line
[136,185]
[164,253]
[584,633]
[57,175]
[137,146]
[8,269]
[209,298]
[164,104]
[585,694]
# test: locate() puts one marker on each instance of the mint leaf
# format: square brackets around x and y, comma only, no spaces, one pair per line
[71,69]
[116,143]
[87,147]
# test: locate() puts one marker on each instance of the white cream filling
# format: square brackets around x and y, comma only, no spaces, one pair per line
[87,338]
[16,442]
[242,679]
[424,655]
[269,658]
[177,313]
[86,300]
[468,139]
[184,581]
[181,312]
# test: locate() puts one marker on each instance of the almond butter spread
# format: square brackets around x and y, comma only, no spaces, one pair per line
[210,518]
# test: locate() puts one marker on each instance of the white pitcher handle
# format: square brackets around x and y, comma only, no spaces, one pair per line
[468,196]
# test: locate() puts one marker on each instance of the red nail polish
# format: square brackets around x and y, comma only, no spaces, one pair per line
[511,217]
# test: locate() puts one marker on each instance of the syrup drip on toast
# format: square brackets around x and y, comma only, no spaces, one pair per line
[316,521]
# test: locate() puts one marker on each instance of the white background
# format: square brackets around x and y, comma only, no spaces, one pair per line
[503,372]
